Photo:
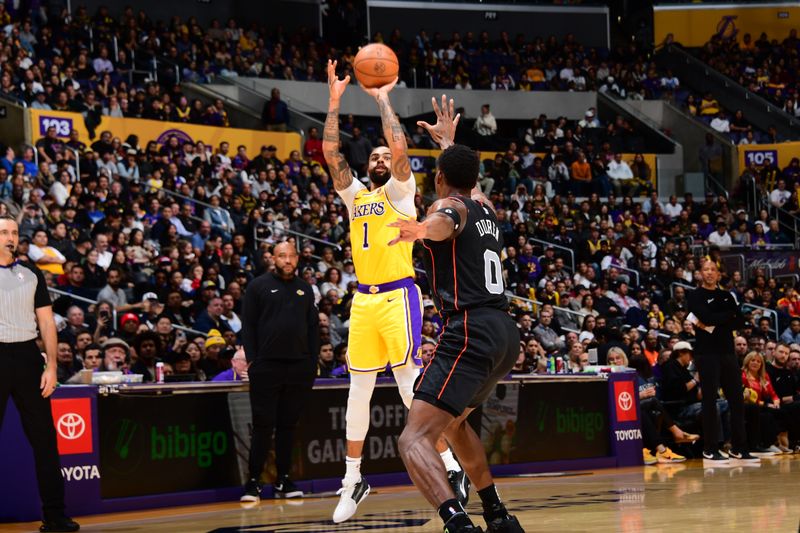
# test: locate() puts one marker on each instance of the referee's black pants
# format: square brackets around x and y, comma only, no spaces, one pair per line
[279,391]
[21,367]
[721,370]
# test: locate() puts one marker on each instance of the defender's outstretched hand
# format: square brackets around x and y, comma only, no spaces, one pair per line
[443,132]
[410,231]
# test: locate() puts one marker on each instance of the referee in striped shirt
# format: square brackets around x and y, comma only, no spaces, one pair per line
[24,305]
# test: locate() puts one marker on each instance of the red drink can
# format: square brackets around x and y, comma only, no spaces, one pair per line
[159,372]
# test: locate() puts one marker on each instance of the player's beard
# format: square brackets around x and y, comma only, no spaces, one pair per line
[379,176]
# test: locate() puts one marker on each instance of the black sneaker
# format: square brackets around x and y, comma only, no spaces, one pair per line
[456,525]
[460,483]
[712,459]
[61,523]
[285,488]
[744,459]
[252,491]
[507,524]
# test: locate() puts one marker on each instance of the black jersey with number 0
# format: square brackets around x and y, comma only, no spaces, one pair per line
[466,272]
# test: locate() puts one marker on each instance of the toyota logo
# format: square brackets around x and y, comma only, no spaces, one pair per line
[71,426]
[625,401]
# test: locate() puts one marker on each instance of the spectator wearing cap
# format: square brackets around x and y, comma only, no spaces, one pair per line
[678,384]
[30,219]
[211,363]
[589,119]
[128,326]
[151,309]
[211,317]
[116,355]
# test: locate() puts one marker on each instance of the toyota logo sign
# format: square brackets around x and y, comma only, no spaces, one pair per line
[625,401]
[71,426]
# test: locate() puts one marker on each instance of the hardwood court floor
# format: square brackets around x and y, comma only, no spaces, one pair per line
[662,498]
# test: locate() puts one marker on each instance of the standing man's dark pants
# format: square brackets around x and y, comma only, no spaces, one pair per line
[21,374]
[723,370]
[279,391]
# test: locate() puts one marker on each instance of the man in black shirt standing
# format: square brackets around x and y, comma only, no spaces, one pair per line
[716,315]
[24,306]
[280,332]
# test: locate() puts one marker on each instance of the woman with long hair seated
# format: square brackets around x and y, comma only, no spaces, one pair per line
[761,404]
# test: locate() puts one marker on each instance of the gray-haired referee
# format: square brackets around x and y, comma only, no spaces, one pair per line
[24,303]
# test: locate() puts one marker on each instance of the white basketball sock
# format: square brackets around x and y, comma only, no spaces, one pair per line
[352,473]
[450,462]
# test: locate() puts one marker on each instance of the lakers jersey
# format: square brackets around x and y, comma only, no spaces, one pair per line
[376,262]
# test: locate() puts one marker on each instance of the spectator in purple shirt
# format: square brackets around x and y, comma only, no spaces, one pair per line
[238,369]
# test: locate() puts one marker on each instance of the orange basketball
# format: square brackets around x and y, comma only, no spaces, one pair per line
[376,65]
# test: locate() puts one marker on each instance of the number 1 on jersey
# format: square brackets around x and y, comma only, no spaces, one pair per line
[366,242]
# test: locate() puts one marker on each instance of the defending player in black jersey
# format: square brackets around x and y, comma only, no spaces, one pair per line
[479,343]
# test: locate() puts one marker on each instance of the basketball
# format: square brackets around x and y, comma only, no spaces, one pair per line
[376,65]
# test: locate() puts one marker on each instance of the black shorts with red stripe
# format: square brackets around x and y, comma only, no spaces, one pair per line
[477,348]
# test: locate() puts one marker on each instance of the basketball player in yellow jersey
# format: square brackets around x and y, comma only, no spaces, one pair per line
[386,314]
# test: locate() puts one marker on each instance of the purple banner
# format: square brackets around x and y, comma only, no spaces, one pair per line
[623,407]
[74,429]
[62,125]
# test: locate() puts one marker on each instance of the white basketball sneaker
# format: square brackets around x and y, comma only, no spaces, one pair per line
[350,496]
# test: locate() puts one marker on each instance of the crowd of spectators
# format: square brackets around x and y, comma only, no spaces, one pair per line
[766,67]
[113,232]
[103,61]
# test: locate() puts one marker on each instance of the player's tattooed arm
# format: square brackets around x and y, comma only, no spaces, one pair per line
[443,132]
[338,168]
[445,221]
[392,132]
